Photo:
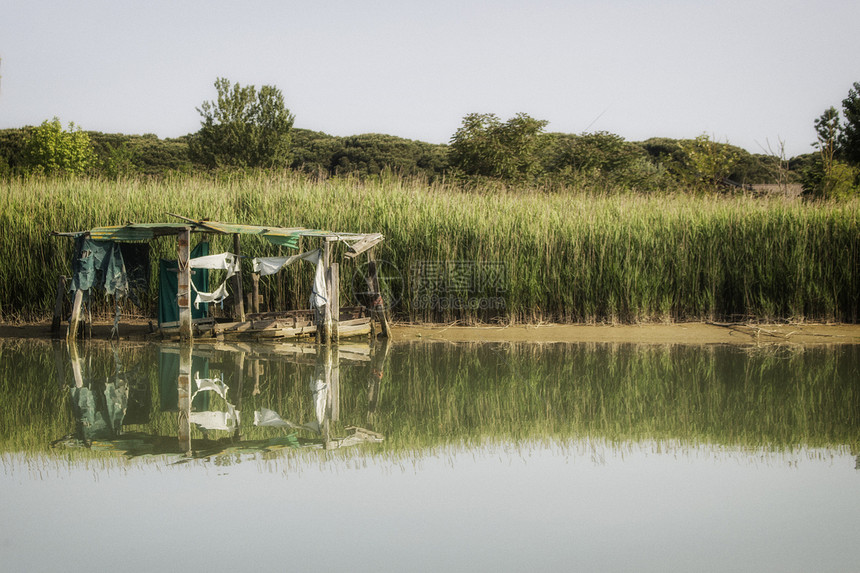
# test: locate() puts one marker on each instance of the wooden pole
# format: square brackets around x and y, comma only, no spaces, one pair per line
[377,303]
[183,385]
[255,280]
[88,323]
[334,301]
[334,386]
[75,319]
[75,359]
[374,378]
[58,305]
[324,320]
[59,363]
[183,294]
[240,382]
[240,304]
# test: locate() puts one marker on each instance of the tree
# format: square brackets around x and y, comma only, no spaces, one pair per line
[243,128]
[711,162]
[849,140]
[51,150]
[486,147]
[827,131]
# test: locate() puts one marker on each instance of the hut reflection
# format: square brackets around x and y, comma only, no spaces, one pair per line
[293,391]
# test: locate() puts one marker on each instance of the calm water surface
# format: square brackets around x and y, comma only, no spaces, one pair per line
[427,457]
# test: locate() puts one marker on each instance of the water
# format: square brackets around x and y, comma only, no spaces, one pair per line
[479,457]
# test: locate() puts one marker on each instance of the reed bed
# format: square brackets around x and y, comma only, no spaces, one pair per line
[565,256]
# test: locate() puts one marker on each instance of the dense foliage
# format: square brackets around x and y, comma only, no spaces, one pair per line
[565,256]
[243,128]
[246,129]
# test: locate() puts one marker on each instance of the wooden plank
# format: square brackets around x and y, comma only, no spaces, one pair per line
[362,245]
[356,330]
[355,321]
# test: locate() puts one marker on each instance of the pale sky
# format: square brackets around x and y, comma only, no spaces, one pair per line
[747,71]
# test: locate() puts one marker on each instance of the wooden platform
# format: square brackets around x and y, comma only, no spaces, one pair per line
[353,322]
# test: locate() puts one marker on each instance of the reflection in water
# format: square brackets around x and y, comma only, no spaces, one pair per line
[224,399]
[192,382]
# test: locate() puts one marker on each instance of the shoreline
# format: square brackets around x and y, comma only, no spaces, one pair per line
[654,333]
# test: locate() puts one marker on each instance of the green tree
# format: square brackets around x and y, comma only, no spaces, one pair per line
[850,137]
[827,132]
[600,159]
[709,161]
[243,127]
[484,146]
[51,150]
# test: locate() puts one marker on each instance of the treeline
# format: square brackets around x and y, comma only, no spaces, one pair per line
[245,129]
[599,158]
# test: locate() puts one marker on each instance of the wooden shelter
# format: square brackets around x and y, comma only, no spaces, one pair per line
[99,251]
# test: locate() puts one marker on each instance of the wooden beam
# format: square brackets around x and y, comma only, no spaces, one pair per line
[239,296]
[58,305]
[183,294]
[362,245]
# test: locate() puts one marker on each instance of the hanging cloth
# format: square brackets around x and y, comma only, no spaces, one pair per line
[271,265]
[222,261]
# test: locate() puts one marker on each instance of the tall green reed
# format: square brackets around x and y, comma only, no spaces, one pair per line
[566,256]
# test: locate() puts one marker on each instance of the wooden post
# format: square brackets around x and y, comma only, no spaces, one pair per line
[88,323]
[324,319]
[183,294]
[255,279]
[377,303]
[58,305]
[333,284]
[334,386]
[239,296]
[183,385]
[374,378]
[75,319]
[325,428]
[75,359]
[240,382]
[59,363]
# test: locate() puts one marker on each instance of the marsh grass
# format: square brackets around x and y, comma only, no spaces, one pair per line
[568,256]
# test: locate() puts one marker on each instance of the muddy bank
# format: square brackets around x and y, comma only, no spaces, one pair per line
[677,333]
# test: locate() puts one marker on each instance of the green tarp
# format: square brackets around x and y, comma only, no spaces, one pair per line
[168,287]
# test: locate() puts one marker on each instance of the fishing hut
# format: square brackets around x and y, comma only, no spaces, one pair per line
[110,257]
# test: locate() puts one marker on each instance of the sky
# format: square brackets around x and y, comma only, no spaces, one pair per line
[749,72]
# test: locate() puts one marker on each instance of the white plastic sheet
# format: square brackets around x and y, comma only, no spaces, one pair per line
[271,265]
[222,261]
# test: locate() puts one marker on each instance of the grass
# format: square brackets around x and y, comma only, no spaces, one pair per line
[571,256]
